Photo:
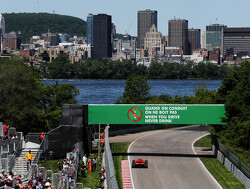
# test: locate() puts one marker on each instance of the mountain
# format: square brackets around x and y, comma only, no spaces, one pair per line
[31,24]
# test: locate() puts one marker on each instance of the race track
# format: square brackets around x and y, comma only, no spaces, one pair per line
[172,162]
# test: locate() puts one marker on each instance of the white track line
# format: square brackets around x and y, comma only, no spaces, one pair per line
[201,161]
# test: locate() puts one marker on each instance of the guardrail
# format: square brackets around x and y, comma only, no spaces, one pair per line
[109,164]
[235,159]
[231,166]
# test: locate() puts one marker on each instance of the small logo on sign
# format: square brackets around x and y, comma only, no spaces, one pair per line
[134,114]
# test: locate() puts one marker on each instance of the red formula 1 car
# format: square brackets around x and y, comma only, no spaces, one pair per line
[140,163]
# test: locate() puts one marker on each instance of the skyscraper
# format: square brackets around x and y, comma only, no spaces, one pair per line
[194,38]
[145,19]
[2,24]
[153,42]
[214,36]
[102,46]
[90,29]
[178,34]
[236,42]
[203,40]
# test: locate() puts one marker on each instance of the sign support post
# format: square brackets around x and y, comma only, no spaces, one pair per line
[99,147]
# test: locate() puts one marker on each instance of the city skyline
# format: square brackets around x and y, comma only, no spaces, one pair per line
[124,15]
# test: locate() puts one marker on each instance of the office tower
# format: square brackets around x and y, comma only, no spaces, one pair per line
[178,34]
[102,46]
[145,19]
[2,24]
[236,42]
[214,36]
[12,41]
[194,38]
[203,40]
[153,42]
[90,19]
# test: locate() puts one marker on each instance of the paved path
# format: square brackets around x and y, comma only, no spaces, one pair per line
[172,162]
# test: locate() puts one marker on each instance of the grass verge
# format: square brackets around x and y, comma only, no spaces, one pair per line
[49,165]
[91,179]
[203,142]
[119,152]
[223,176]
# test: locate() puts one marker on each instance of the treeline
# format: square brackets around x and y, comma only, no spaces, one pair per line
[32,24]
[234,93]
[27,104]
[61,68]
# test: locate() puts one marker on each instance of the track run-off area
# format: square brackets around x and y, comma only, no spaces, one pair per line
[172,161]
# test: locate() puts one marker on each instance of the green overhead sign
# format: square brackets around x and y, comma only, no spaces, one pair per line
[156,114]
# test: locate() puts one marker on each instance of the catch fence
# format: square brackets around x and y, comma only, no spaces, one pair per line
[109,164]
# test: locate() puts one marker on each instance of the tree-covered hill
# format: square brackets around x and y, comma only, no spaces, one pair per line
[31,24]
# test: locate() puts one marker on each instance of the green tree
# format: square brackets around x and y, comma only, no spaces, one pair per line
[25,103]
[20,91]
[54,96]
[155,71]
[61,68]
[235,93]
[203,96]
[136,91]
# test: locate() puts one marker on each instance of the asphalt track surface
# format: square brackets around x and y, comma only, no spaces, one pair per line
[172,163]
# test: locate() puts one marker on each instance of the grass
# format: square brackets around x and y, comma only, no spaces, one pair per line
[119,148]
[223,176]
[203,142]
[49,165]
[91,179]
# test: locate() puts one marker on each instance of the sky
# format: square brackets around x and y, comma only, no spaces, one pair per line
[233,13]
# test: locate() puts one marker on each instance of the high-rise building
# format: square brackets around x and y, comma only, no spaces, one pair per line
[90,19]
[203,40]
[2,24]
[145,19]
[214,36]
[102,46]
[194,38]
[236,42]
[154,43]
[12,41]
[178,34]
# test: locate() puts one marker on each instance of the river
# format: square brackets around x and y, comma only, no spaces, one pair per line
[107,91]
